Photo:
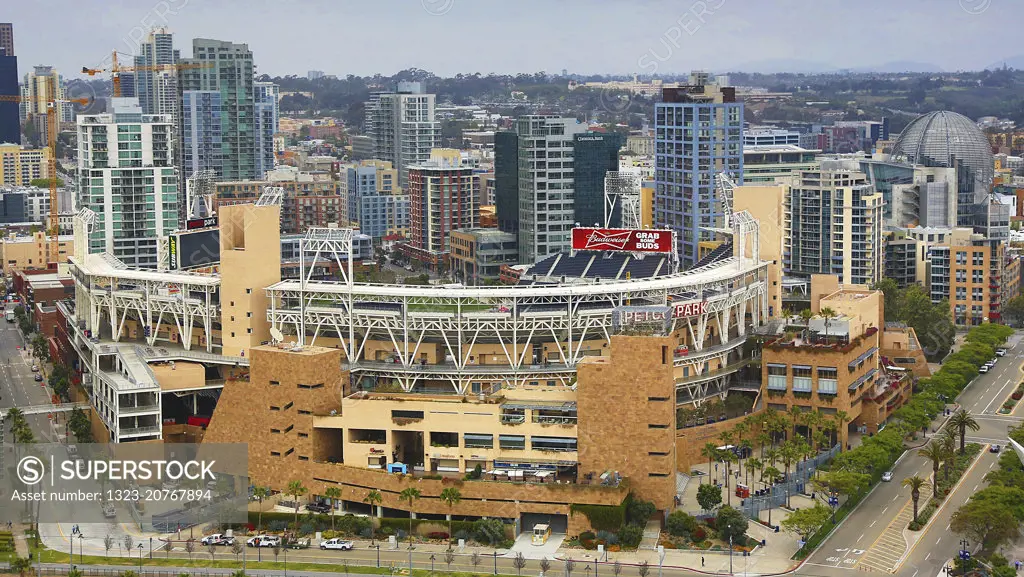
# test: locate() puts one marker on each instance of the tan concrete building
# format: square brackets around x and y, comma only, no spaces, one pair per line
[20,166]
[30,252]
[976,275]
[247,236]
[766,203]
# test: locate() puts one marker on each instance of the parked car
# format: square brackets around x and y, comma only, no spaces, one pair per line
[38,378]
[319,507]
[35,368]
[216,539]
[887,476]
[1001,352]
[983,369]
[338,544]
[263,541]
[994,449]
[109,511]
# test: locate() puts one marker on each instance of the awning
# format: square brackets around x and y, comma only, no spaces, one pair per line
[521,438]
[558,440]
[477,437]
[863,357]
[863,379]
[565,407]
[776,365]
[804,367]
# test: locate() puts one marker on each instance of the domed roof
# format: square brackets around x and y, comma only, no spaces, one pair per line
[937,138]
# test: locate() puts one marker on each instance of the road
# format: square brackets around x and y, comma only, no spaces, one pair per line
[17,387]
[872,538]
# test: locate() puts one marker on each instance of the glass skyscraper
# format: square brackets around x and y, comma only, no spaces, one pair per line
[698,134]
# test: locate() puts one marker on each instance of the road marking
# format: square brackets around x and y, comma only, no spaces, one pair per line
[992,464]
[884,510]
[916,572]
[975,489]
[896,497]
[873,523]
[947,526]
[937,540]
[861,537]
[925,558]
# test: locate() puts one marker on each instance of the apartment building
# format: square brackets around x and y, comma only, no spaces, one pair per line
[444,196]
[373,201]
[30,251]
[403,127]
[477,255]
[976,275]
[309,200]
[763,164]
[20,166]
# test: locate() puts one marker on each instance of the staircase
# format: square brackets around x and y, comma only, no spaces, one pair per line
[652,532]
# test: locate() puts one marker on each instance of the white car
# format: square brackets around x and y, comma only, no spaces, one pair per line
[263,541]
[887,476]
[1001,352]
[983,369]
[217,539]
[339,544]
[109,511]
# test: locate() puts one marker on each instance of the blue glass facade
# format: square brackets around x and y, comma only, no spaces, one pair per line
[10,118]
[698,133]
[201,136]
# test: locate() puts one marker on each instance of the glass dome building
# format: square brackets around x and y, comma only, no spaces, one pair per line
[948,139]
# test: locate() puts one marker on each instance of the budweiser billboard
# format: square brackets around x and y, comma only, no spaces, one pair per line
[622,239]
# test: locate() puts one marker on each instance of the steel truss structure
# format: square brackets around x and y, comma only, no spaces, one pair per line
[518,321]
[108,291]
[622,189]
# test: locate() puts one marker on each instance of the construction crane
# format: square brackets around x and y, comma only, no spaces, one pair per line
[116,69]
[52,127]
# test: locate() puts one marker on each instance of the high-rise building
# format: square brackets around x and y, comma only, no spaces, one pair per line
[698,135]
[10,120]
[833,225]
[975,275]
[372,199]
[20,166]
[6,39]
[201,132]
[506,180]
[768,136]
[444,196]
[762,164]
[403,127]
[232,76]
[546,179]
[594,154]
[265,101]
[40,86]
[126,176]
[157,89]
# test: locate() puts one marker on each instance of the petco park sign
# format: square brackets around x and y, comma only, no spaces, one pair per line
[636,315]
[622,239]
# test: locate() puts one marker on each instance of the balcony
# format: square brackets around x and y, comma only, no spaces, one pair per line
[123,410]
[138,431]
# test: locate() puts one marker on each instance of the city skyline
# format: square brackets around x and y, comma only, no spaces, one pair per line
[645,37]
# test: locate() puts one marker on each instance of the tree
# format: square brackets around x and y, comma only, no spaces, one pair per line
[40,348]
[680,523]
[961,421]
[947,440]
[237,547]
[449,558]
[374,498]
[841,482]
[296,489]
[190,548]
[212,550]
[617,568]
[644,569]
[730,523]
[709,496]
[260,493]
[1014,310]
[789,455]
[710,451]
[828,314]
[771,474]
[915,484]
[519,562]
[986,522]
[21,565]
[409,495]
[808,520]
[108,544]
[451,496]
[569,566]
[278,548]
[545,566]
[933,452]
[474,560]
[332,493]
[129,542]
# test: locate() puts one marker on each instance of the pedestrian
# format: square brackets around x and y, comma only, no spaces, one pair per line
[702,561]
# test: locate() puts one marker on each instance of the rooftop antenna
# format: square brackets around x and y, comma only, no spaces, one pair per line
[275,334]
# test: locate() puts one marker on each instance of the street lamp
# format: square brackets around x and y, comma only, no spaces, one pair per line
[71,542]
[965,555]
[140,557]
[730,554]
[378,555]
[81,548]
[495,561]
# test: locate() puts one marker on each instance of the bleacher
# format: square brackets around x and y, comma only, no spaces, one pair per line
[723,251]
[590,266]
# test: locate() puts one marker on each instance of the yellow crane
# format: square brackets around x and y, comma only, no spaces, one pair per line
[116,69]
[52,128]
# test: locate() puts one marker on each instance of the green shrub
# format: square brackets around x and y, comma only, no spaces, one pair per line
[587,535]
[639,512]
[602,517]
[680,523]
[630,536]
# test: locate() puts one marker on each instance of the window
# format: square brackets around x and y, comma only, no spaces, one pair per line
[776,377]
[827,380]
[553,443]
[288,406]
[478,440]
[801,379]
[656,426]
[275,430]
[275,454]
[301,412]
[275,383]
[977,294]
[316,386]
[273,408]
[656,454]
[512,442]
[961,257]
[303,435]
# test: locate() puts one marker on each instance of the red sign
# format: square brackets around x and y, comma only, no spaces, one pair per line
[195,223]
[622,239]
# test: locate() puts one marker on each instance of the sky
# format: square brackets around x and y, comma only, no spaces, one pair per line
[446,37]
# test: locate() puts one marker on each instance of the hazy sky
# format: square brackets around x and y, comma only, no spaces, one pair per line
[584,36]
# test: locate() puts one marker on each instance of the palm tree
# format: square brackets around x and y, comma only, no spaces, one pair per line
[789,455]
[812,419]
[795,415]
[915,483]
[828,314]
[260,493]
[374,498]
[727,456]
[754,464]
[933,452]
[771,455]
[332,493]
[948,443]
[770,473]
[710,451]
[296,489]
[961,421]
[841,419]
[763,438]
[450,495]
[409,494]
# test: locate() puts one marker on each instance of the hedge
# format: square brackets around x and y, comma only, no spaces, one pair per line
[603,517]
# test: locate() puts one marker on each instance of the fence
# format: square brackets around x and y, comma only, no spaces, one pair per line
[799,477]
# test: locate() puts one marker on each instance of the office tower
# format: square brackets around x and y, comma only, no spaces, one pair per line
[201,132]
[546,180]
[6,39]
[372,199]
[232,76]
[443,196]
[698,134]
[126,176]
[834,226]
[265,101]
[157,89]
[403,127]
[10,120]
[40,86]
[128,85]
[506,180]
[594,154]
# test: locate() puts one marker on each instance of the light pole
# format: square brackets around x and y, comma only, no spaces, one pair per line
[730,554]
[140,557]
[71,542]
[495,561]
[965,555]
[150,548]
[81,548]
[378,555]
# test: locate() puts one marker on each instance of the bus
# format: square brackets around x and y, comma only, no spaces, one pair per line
[541,532]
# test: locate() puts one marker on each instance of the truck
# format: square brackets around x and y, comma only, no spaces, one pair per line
[9,315]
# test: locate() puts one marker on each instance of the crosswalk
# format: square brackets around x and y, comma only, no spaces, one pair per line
[885,553]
